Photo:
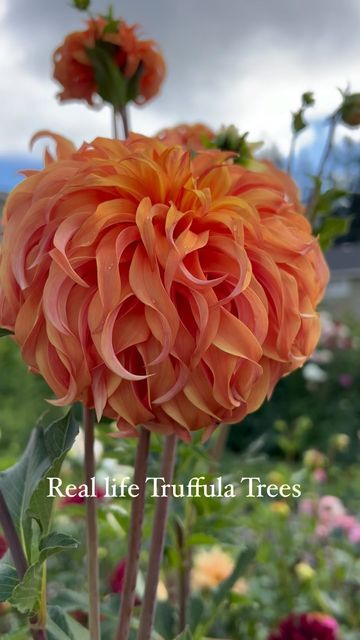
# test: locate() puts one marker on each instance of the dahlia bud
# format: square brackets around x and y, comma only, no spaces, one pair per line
[341,441]
[314,459]
[304,572]
[350,110]
[82,5]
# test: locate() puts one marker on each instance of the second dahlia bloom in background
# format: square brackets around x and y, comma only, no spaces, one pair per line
[162,289]
[190,136]
[307,626]
[137,59]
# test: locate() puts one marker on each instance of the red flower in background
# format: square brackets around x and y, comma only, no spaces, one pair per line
[307,626]
[117,578]
[3,546]
[80,499]
[73,65]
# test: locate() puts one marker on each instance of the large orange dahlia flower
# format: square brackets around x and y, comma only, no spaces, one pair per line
[159,288]
[135,58]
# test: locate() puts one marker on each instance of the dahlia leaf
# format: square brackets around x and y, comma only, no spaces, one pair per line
[111,83]
[333,227]
[25,485]
[55,543]
[8,580]
[61,626]
[26,595]
[185,635]
[5,332]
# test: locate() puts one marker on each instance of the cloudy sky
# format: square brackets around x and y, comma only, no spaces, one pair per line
[235,61]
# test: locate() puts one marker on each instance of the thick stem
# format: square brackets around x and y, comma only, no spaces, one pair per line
[311,208]
[220,444]
[184,574]
[91,529]
[157,542]
[125,120]
[115,131]
[19,559]
[135,534]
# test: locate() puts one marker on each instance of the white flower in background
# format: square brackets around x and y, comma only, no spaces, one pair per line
[313,373]
[77,450]
[322,356]
[110,468]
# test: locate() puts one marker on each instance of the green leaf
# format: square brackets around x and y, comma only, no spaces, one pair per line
[307,99]
[8,580]
[25,485]
[5,332]
[20,634]
[82,5]
[201,539]
[328,200]
[185,635]
[61,626]
[298,122]
[55,543]
[111,83]
[26,595]
[332,228]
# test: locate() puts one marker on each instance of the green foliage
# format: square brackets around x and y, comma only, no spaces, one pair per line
[332,228]
[24,487]
[113,87]
[298,121]
[82,5]
[350,109]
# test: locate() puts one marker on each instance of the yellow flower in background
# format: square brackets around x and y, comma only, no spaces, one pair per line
[211,567]
[280,507]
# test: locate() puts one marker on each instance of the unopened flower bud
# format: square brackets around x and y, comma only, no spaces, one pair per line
[350,110]
[304,572]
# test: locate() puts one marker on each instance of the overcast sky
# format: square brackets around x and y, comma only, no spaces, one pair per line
[240,61]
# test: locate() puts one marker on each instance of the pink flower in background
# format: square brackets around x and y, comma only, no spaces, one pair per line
[320,475]
[346,380]
[307,507]
[330,508]
[354,534]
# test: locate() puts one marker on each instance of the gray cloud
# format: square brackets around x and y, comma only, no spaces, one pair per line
[218,52]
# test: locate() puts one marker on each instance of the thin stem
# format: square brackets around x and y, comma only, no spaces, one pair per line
[19,559]
[157,542]
[91,528]
[125,120]
[115,131]
[311,208]
[291,153]
[135,534]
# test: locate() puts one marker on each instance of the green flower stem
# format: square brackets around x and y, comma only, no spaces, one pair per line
[135,535]
[157,542]
[91,529]
[219,445]
[311,207]
[115,130]
[19,559]
[125,120]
